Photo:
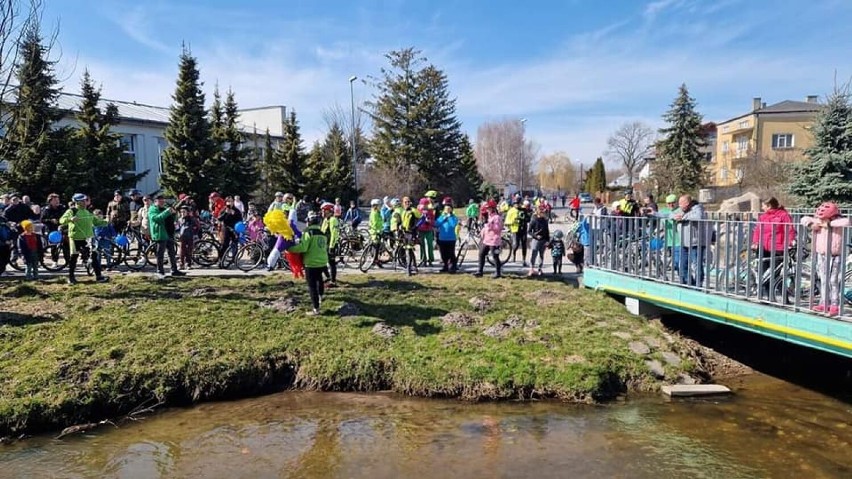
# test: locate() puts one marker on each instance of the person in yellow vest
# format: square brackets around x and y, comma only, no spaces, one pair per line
[331,229]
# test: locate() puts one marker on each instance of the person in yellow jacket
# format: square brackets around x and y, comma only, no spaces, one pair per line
[331,228]
[517,220]
[81,222]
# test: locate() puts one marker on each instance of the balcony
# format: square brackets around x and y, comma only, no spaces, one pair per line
[741,127]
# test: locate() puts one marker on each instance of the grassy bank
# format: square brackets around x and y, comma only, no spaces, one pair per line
[73,355]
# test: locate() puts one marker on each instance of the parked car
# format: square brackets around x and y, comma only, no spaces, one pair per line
[586,198]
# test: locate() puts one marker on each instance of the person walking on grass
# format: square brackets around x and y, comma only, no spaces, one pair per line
[161,219]
[81,222]
[314,247]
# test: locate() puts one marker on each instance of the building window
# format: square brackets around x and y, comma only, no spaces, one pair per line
[725,128]
[744,124]
[725,147]
[782,141]
[161,148]
[723,173]
[129,148]
[742,145]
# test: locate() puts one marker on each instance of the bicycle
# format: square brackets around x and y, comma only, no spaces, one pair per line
[253,254]
[371,257]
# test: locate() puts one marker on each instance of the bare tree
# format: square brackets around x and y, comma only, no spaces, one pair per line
[503,154]
[766,175]
[556,172]
[630,144]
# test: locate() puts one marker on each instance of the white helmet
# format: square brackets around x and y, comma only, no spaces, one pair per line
[375,202]
[395,202]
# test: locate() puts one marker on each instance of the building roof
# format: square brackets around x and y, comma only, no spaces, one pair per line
[132,111]
[786,106]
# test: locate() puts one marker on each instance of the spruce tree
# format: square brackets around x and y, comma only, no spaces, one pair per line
[39,160]
[680,164]
[596,178]
[826,173]
[213,165]
[337,174]
[268,170]
[188,136]
[239,174]
[100,165]
[289,173]
[415,128]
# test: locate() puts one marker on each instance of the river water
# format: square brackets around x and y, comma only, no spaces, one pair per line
[769,428]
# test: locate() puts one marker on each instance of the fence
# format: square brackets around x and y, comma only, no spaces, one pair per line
[772,263]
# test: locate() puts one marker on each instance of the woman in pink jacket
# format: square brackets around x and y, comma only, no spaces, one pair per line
[827,228]
[492,238]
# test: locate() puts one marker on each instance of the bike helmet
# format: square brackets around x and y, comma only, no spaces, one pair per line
[827,210]
[214,195]
[326,206]
[78,197]
[491,205]
[313,218]
[375,202]
[558,234]
[671,199]
[447,201]
[526,203]
[431,194]
[424,201]
[395,202]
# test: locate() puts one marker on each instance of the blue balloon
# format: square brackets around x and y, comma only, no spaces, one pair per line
[122,240]
[657,244]
[55,237]
[240,228]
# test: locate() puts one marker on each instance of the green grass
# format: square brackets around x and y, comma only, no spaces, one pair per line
[72,355]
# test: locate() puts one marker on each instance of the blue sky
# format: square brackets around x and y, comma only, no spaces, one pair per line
[576,69]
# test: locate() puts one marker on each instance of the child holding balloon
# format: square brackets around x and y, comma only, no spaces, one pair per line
[30,248]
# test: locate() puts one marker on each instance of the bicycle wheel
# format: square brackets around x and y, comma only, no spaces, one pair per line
[16,261]
[249,257]
[54,258]
[135,257]
[205,253]
[366,261]
[412,261]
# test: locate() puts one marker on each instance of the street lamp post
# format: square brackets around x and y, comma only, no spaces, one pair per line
[521,157]
[352,137]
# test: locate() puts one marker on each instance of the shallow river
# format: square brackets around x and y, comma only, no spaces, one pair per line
[770,428]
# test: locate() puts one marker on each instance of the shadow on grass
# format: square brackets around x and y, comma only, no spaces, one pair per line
[390,284]
[17,319]
[401,315]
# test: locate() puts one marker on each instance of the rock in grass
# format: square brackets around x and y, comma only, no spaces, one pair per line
[671,358]
[622,335]
[656,368]
[348,309]
[638,347]
[284,304]
[460,320]
[384,330]
[480,304]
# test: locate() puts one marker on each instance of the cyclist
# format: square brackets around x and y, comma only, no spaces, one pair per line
[425,232]
[279,203]
[228,217]
[314,247]
[517,220]
[81,223]
[472,213]
[353,215]
[448,224]
[408,221]
[118,212]
[387,213]
[331,228]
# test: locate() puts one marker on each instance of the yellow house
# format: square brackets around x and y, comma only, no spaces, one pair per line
[779,132]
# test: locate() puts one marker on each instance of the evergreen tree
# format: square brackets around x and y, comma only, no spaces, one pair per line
[338,178]
[826,174]
[680,164]
[100,166]
[415,129]
[471,182]
[289,173]
[239,174]
[269,167]
[213,165]
[188,134]
[596,177]
[39,160]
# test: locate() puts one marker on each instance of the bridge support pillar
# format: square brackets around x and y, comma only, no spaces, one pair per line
[642,308]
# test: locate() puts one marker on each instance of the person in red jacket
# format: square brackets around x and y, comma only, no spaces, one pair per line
[773,235]
[575,207]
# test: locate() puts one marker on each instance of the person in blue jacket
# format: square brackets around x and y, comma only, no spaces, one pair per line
[447,225]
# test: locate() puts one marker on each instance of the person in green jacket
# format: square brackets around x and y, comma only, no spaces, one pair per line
[472,213]
[162,223]
[314,247]
[81,229]
[331,229]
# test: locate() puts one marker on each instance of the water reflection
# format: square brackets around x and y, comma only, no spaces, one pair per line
[770,429]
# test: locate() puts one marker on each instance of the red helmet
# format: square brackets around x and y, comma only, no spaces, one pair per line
[214,195]
[327,206]
[447,201]
[827,210]
[424,201]
[490,205]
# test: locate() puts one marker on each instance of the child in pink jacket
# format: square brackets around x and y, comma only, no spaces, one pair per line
[827,227]
[492,239]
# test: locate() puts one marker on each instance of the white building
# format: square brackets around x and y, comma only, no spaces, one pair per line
[142,129]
